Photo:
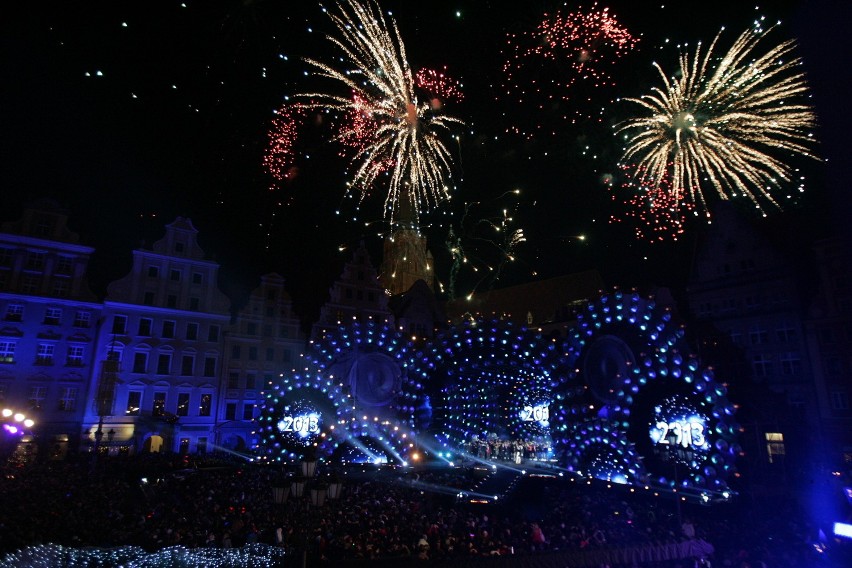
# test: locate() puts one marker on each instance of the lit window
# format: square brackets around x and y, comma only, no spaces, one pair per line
[52,316]
[44,355]
[775,446]
[75,356]
[68,398]
[7,351]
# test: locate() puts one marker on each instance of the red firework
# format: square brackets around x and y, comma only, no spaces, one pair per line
[438,87]
[279,157]
[656,212]
[545,65]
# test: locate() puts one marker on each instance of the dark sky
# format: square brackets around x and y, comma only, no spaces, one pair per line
[131,113]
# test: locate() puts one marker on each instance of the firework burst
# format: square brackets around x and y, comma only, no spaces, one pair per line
[386,129]
[544,66]
[722,122]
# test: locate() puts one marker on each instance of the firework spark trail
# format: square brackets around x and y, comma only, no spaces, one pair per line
[472,246]
[405,138]
[724,124]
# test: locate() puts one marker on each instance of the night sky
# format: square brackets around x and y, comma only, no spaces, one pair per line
[132,113]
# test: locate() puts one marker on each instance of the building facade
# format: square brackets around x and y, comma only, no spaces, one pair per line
[263,340]
[164,324]
[49,326]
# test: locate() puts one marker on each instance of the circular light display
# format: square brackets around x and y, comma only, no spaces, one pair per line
[357,390]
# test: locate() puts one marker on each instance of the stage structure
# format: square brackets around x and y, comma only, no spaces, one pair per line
[355,398]
[497,383]
[659,416]
[619,399]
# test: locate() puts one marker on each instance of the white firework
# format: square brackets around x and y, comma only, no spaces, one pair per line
[724,123]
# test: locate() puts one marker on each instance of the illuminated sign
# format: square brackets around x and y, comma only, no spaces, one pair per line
[303,425]
[687,433]
[539,413]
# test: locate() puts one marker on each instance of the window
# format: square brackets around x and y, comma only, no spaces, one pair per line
[187,364]
[174,275]
[52,316]
[194,303]
[171,301]
[35,261]
[192,331]
[153,271]
[775,447]
[7,351]
[833,366]
[44,225]
[283,331]
[158,408]
[134,403]
[183,404]
[252,353]
[148,299]
[270,311]
[44,354]
[202,445]
[213,333]
[758,335]
[826,336]
[762,365]
[197,278]
[267,331]
[5,257]
[145,327]
[75,356]
[271,295]
[119,324]
[231,411]
[14,312]
[64,265]
[348,293]
[270,354]
[791,363]
[168,329]
[248,411]
[288,356]
[30,284]
[68,398]
[251,381]
[251,329]
[206,404]
[36,397]
[210,366]
[839,400]
[61,288]
[360,294]
[116,351]
[140,362]
[235,352]
[82,319]
[785,333]
[164,363]
[233,380]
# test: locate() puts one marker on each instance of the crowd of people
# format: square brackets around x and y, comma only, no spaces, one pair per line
[506,450]
[382,513]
